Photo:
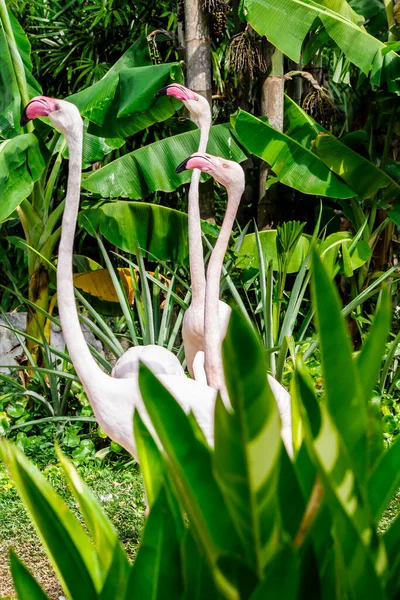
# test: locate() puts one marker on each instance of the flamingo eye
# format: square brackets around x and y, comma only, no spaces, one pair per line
[196,98]
[225,165]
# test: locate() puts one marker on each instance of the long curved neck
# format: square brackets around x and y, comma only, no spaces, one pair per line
[82,359]
[196,259]
[212,333]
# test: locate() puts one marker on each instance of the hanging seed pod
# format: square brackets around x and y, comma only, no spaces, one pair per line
[245,56]
[217,9]
[154,53]
[320,107]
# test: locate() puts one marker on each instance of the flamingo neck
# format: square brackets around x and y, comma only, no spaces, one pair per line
[212,335]
[82,359]
[196,258]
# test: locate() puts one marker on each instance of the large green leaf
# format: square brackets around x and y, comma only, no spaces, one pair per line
[343,8]
[157,230]
[298,125]
[94,148]
[190,465]
[343,395]
[248,445]
[103,532]
[369,360]
[122,102]
[391,538]
[364,177]
[156,573]
[360,548]
[10,99]
[152,168]
[248,254]
[286,23]
[21,164]
[199,584]
[25,584]
[281,579]
[293,164]
[384,480]
[150,459]
[77,565]
[328,249]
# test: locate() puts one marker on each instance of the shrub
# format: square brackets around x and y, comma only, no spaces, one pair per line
[242,520]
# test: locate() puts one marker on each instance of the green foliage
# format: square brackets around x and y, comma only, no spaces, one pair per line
[369,54]
[257,521]
[21,165]
[293,164]
[151,168]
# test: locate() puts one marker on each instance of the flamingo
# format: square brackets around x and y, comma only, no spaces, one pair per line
[193,320]
[113,399]
[231,175]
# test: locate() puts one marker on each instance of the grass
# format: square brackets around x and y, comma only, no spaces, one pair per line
[120,492]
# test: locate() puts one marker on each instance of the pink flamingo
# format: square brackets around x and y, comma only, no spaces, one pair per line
[193,321]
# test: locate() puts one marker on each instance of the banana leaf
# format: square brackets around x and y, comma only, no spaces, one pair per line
[10,99]
[287,22]
[21,164]
[363,176]
[98,283]
[293,164]
[344,9]
[157,230]
[299,126]
[152,168]
[122,102]
[94,148]
[248,254]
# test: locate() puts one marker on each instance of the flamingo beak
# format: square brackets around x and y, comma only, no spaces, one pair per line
[196,161]
[178,91]
[182,166]
[162,92]
[40,106]
[24,118]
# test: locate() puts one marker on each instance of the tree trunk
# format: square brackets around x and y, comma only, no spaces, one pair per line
[198,77]
[272,97]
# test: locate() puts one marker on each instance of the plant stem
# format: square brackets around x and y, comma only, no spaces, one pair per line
[390,19]
[310,513]
[389,135]
[16,60]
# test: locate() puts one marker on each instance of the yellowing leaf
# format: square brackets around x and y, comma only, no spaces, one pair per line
[99,284]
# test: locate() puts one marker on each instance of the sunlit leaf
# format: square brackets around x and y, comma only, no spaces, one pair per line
[21,164]
[292,163]
[152,168]
[241,436]
[25,584]
[286,23]
[362,176]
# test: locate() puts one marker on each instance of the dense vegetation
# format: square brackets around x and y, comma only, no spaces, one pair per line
[320,153]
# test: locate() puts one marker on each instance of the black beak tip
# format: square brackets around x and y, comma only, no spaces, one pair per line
[182,167]
[162,92]
[24,119]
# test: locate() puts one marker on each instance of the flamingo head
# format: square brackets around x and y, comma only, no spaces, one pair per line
[61,113]
[197,105]
[227,172]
